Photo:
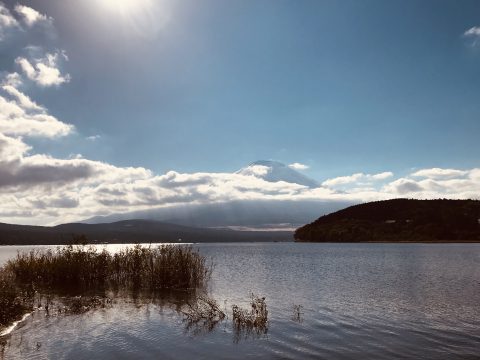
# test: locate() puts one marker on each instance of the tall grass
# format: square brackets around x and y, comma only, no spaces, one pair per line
[161,267]
[255,317]
[84,268]
[13,302]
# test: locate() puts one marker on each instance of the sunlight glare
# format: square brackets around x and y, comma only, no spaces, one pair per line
[126,6]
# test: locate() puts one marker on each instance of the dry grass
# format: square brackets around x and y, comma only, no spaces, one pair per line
[203,315]
[255,317]
[297,313]
[13,302]
[84,269]
[160,267]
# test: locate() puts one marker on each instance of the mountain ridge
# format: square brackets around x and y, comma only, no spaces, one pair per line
[129,231]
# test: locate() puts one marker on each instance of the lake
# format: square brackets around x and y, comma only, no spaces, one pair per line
[372,301]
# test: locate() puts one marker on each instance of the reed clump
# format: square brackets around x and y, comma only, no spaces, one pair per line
[82,304]
[202,315]
[204,308]
[297,313]
[13,301]
[84,267]
[254,318]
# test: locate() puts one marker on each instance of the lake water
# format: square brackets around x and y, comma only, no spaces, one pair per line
[370,301]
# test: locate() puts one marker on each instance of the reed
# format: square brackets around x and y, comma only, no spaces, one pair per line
[83,269]
[255,318]
[14,302]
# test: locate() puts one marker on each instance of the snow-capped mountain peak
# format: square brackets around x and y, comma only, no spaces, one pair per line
[274,171]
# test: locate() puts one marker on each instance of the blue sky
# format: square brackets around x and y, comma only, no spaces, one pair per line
[120,105]
[342,86]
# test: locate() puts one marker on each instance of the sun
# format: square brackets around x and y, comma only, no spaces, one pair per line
[144,18]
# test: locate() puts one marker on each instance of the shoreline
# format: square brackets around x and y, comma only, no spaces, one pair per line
[262,242]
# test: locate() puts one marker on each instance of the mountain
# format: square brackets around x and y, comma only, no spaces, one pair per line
[274,171]
[265,214]
[398,220]
[130,231]
[246,213]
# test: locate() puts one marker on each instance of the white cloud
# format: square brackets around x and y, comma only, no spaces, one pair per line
[473,34]
[298,166]
[437,173]
[93,137]
[23,100]
[255,170]
[23,117]
[381,176]
[7,21]
[473,31]
[357,178]
[44,71]
[403,186]
[30,16]
[99,188]
[13,79]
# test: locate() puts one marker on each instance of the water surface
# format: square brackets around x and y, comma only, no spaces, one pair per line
[378,301]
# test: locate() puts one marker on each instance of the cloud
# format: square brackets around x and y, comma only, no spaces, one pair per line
[474,34]
[256,170]
[298,166]
[45,70]
[100,188]
[31,16]
[357,178]
[93,137]
[473,31]
[381,176]
[7,21]
[23,100]
[437,173]
[20,116]
[403,187]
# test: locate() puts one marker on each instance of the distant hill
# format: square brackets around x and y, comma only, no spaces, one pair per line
[129,231]
[398,220]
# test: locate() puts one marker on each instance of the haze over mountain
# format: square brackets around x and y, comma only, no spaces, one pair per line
[247,214]
[129,231]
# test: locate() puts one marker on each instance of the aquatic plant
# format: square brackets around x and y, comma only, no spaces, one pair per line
[84,267]
[13,302]
[255,317]
[297,313]
[204,308]
[202,315]
[82,304]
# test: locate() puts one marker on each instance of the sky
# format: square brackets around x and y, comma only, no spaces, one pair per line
[117,105]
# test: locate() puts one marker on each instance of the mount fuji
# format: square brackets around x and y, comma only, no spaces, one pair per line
[274,171]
